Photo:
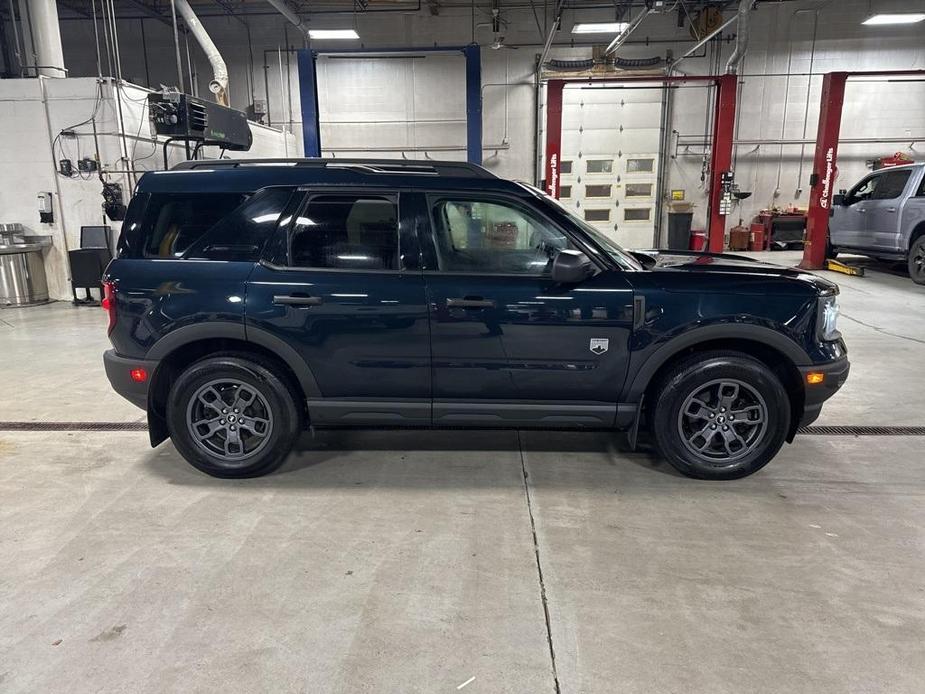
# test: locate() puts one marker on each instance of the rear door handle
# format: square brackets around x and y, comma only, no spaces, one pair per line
[862,210]
[891,209]
[470,303]
[298,300]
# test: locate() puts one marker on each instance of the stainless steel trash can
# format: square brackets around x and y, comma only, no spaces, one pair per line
[22,274]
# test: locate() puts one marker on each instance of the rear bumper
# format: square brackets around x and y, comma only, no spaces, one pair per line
[836,373]
[118,371]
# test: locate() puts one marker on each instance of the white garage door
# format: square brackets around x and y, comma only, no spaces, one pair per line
[609,164]
[393,106]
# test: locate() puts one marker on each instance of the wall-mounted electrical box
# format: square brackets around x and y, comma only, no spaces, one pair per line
[46,208]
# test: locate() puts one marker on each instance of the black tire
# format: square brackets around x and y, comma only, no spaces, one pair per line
[272,420]
[917,260]
[830,251]
[753,444]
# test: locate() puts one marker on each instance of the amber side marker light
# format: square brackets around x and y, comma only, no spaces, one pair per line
[815,378]
[138,375]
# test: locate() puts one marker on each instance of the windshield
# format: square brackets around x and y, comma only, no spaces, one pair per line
[613,250]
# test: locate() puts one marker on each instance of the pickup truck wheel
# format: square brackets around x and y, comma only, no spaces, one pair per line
[917,261]
[720,416]
[232,416]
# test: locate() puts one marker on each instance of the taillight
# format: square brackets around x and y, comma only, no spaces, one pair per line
[109,303]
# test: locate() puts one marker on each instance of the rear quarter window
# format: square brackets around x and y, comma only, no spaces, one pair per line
[205,226]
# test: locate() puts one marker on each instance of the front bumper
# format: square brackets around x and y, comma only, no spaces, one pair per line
[119,370]
[835,375]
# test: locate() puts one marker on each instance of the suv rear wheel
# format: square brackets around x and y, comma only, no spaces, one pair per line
[233,416]
[720,416]
[917,260]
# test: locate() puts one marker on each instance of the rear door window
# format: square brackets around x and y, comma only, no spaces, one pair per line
[350,231]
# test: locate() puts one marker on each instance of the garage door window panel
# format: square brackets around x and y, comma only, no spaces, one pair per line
[597,215]
[637,214]
[598,191]
[596,166]
[639,190]
[640,165]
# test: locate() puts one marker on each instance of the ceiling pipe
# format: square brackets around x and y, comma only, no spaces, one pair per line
[284,9]
[620,38]
[46,37]
[745,8]
[219,83]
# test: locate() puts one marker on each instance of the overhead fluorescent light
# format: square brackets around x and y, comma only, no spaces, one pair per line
[333,34]
[905,18]
[599,27]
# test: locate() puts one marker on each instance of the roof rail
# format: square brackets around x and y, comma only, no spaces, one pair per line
[425,167]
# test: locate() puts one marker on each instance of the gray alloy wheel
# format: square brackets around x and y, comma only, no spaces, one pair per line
[722,421]
[230,420]
[917,261]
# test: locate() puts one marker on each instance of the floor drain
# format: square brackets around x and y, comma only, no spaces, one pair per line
[73,426]
[862,431]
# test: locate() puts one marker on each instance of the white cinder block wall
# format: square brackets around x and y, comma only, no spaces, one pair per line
[785,38]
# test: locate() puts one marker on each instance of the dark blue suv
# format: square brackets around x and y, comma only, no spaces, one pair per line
[252,299]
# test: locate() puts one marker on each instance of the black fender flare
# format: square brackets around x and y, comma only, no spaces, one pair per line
[211,330]
[726,331]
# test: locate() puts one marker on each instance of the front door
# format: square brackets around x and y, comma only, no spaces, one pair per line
[849,221]
[883,210]
[509,345]
[340,285]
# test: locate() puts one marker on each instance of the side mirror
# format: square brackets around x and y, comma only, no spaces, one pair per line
[571,267]
[840,199]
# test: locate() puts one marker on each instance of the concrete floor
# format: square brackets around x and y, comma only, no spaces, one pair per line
[415,561]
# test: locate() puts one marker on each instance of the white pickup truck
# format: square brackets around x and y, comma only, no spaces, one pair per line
[883,216]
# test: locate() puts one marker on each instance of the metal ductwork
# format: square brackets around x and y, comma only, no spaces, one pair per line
[745,8]
[219,83]
[283,8]
[42,36]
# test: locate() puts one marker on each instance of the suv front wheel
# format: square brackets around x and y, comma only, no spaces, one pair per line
[233,416]
[720,416]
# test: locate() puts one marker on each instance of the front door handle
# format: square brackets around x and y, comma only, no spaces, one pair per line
[289,300]
[862,210]
[891,209]
[470,303]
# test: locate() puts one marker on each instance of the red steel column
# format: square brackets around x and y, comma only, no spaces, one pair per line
[721,155]
[553,135]
[823,175]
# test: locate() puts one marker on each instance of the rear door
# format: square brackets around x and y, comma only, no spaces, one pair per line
[884,208]
[510,346]
[340,284]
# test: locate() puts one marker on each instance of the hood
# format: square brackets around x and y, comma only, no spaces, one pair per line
[739,265]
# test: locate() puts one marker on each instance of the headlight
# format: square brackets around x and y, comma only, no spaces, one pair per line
[828,318]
